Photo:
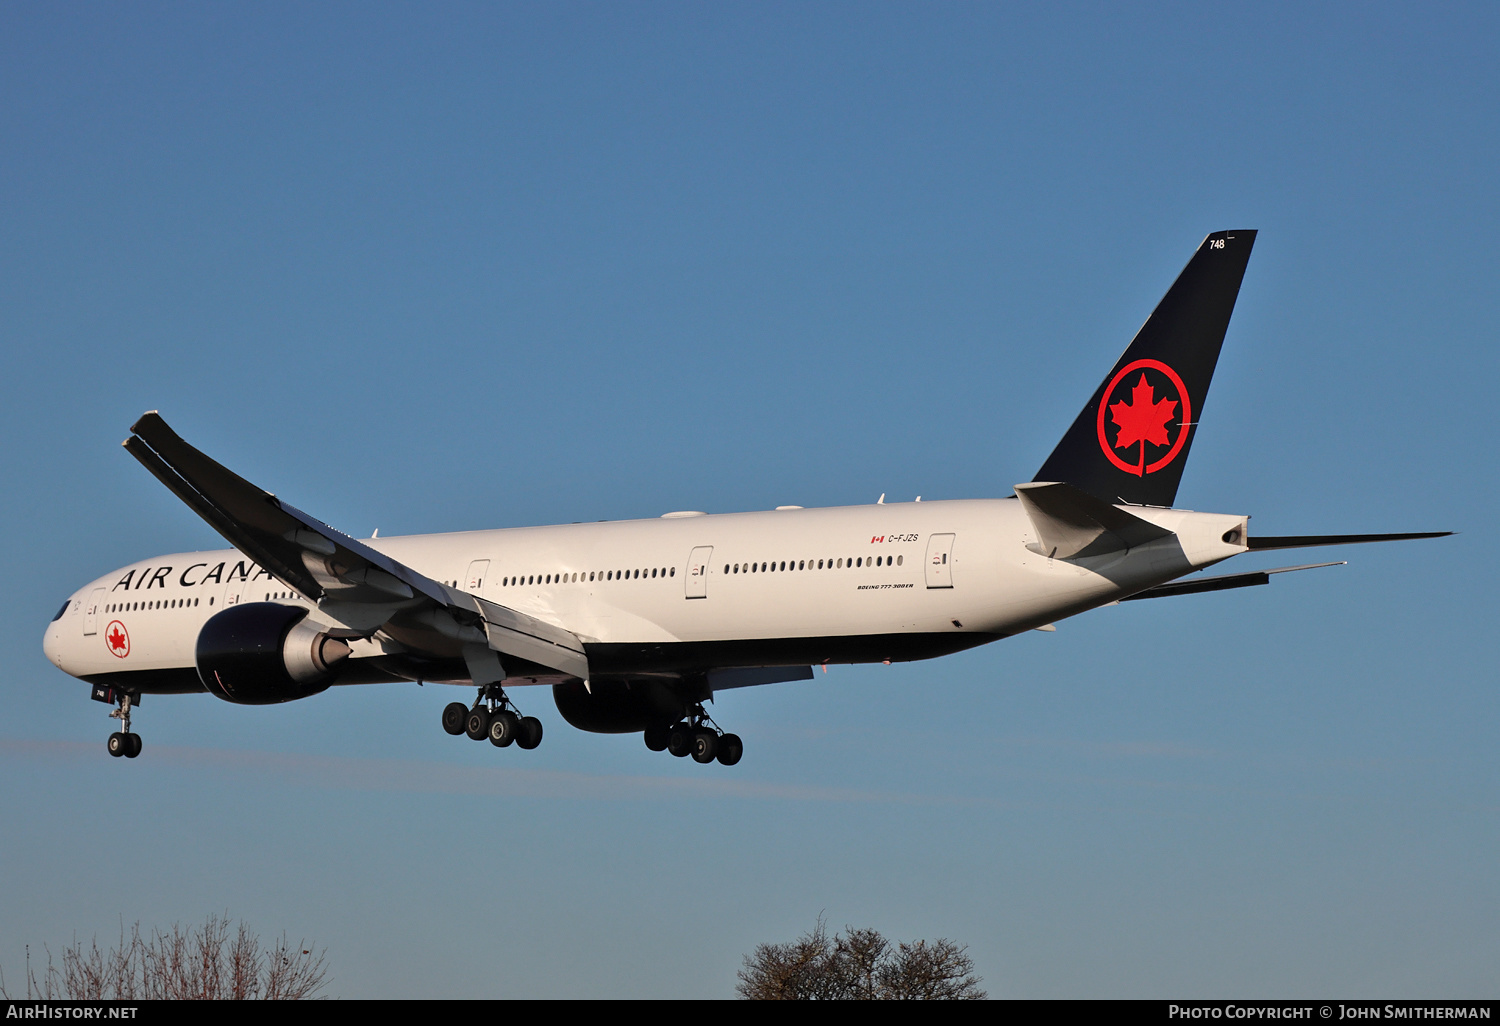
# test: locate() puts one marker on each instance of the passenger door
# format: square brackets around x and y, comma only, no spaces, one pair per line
[232,592]
[91,612]
[939,565]
[477,572]
[697,571]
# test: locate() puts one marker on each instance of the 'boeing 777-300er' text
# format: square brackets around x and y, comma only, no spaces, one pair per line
[636,624]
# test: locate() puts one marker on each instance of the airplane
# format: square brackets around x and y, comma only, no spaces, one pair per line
[635,625]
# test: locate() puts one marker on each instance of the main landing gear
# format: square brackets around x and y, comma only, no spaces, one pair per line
[696,735]
[123,742]
[493,716]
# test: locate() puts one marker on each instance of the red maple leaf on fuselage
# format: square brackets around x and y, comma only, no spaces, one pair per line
[1143,419]
[116,639]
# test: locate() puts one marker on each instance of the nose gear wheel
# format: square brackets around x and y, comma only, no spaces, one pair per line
[123,742]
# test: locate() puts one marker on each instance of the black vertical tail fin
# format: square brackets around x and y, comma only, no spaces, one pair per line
[1131,441]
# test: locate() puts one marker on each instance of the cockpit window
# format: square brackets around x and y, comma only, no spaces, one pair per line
[63,610]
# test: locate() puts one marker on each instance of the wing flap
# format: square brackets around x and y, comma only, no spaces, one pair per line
[511,632]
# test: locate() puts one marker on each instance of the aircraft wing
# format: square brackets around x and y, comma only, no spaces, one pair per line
[362,588]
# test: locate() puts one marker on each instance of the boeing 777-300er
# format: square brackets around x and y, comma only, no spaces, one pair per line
[636,624]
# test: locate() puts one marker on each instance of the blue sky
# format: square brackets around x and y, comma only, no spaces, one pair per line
[430,268]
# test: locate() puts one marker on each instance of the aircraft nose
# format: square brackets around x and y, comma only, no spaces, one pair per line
[51,647]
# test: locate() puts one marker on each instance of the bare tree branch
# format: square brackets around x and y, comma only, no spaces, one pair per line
[857,965]
[200,963]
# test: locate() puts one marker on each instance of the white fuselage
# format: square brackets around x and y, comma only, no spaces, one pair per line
[793,586]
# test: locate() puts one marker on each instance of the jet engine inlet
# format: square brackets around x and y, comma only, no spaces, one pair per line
[262,653]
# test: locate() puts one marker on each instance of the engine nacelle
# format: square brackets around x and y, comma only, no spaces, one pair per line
[262,653]
[619,707]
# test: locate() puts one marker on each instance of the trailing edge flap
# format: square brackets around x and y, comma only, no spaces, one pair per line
[335,570]
[514,633]
[1072,523]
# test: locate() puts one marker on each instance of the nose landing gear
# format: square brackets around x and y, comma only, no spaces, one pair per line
[696,735]
[121,742]
[495,717]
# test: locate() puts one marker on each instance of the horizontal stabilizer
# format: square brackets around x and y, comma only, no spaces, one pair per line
[1223,583]
[1304,541]
[1070,522]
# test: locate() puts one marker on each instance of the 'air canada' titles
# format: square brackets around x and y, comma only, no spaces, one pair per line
[157,577]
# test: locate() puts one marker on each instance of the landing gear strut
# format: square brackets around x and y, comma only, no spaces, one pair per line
[696,735]
[123,742]
[495,717]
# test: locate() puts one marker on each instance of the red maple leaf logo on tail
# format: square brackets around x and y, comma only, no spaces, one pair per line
[1142,420]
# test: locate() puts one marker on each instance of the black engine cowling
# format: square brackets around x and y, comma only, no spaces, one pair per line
[618,706]
[262,653]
